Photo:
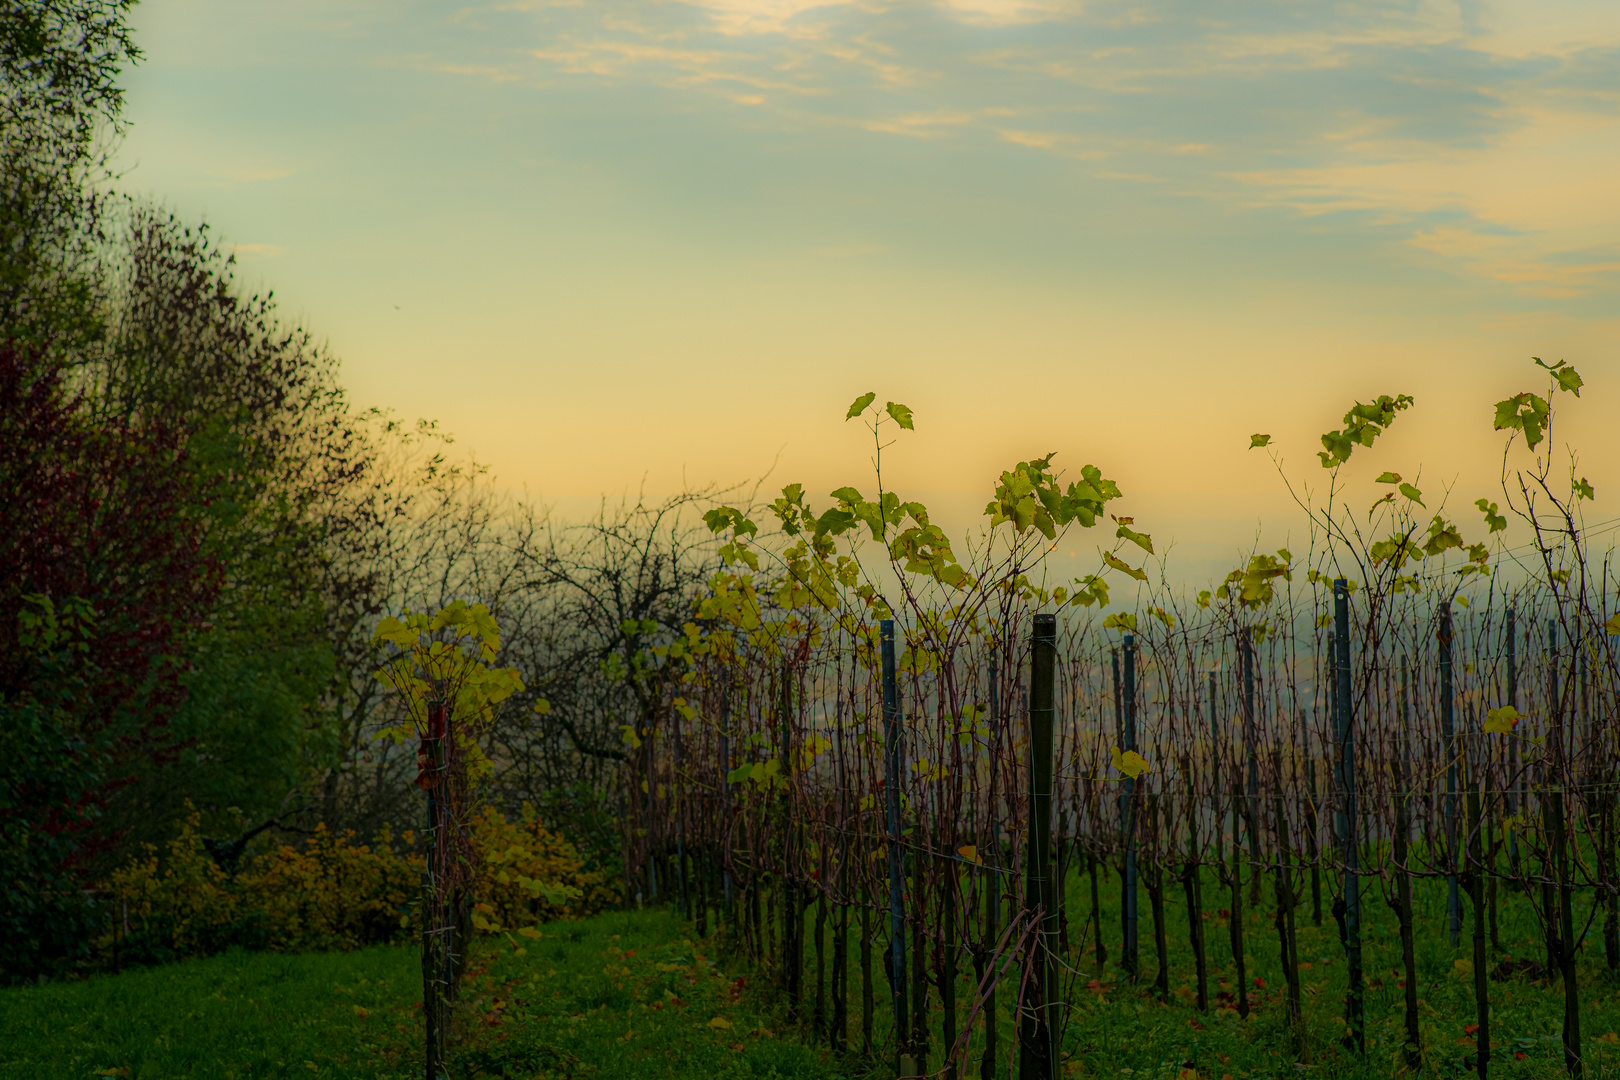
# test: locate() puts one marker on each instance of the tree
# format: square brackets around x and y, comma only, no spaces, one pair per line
[103,576]
[60,109]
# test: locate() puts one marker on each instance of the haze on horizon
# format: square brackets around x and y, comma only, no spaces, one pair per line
[620,245]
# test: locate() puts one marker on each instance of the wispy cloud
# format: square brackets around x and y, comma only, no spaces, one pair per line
[1432,121]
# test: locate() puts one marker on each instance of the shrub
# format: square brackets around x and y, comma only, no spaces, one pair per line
[331,892]
[530,874]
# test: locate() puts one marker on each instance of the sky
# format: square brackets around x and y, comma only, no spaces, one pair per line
[620,245]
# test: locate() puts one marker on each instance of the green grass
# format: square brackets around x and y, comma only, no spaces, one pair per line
[635,996]
[1118,1029]
[620,995]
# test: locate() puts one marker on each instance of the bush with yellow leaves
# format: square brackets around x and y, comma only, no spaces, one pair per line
[330,892]
[530,874]
[333,893]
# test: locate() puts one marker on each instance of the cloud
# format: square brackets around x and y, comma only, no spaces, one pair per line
[759,16]
[1479,136]
[922,125]
[1516,208]
[1010,12]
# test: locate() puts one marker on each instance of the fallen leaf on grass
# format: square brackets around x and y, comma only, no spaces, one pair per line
[720,1023]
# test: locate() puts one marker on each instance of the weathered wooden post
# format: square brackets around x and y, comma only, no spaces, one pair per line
[730,912]
[1448,735]
[437,925]
[1513,744]
[1344,766]
[1128,882]
[991,875]
[1038,1052]
[1251,789]
[678,790]
[891,781]
[792,904]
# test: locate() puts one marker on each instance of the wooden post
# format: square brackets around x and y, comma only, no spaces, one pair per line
[1403,880]
[792,905]
[897,911]
[1513,744]
[1128,882]
[1192,872]
[1251,738]
[1038,1050]
[992,892]
[1476,894]
[729,913]
[1448,735]
[437,957]
[1344,762]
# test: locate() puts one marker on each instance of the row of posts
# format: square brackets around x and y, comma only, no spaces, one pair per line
[1039,1014]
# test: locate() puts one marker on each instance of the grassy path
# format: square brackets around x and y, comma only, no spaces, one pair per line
[615,996]
[633,996]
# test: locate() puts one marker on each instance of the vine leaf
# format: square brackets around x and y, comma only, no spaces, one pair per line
[1124,567]
[1130,763]
[1502,721]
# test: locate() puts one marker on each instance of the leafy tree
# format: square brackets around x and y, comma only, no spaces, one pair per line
[103,574]
[60,110]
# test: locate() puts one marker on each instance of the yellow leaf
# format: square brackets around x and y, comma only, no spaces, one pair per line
[1259,440]
[971,854]
[1612,627]
[1463,967]
[1120,620]
[1502,721]
[720,1023]
[529,931]
[1123,567]
[1130,763]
